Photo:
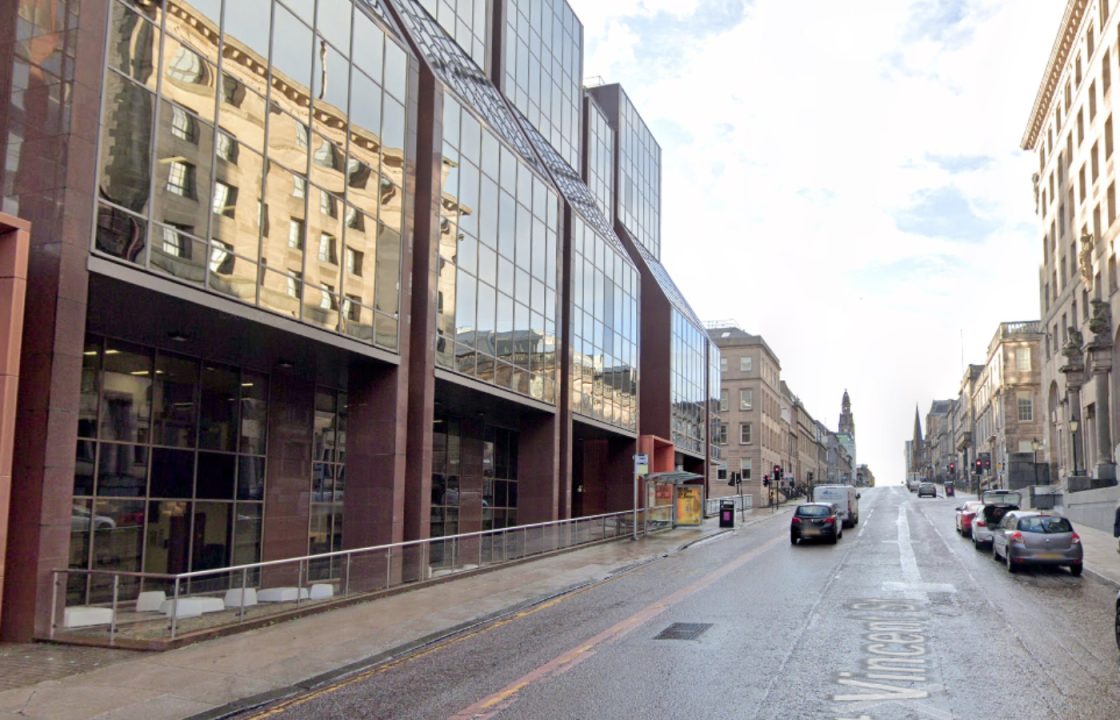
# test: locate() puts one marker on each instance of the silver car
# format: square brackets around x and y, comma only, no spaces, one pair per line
[996,504]
[1037,538]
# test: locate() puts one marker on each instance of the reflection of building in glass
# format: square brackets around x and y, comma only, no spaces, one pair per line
[246,163]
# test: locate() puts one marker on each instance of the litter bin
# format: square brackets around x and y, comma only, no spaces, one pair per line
[726,514]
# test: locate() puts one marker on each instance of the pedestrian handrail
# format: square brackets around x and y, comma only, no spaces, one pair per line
[742,502]
[192,602]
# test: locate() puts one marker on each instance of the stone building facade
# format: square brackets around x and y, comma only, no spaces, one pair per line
[1070,130]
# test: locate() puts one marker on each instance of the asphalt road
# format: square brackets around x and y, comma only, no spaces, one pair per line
[901,619]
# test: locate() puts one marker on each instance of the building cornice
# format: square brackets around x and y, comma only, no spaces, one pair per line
[1063,43]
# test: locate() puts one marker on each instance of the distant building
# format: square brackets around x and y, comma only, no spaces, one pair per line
[750,428]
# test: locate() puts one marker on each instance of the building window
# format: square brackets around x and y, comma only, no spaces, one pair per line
[723,400]
[327,252]
[745,467]
[723,364]
[328,480]
[1023,359]
[744,433]
[328,204]
[294,283]
[299,186]
[721,473]
[221,257]
[326,297]
[746,363]
[225,199]
[354,260]
[1026,408]
[722,437]
[183,125]
[295,234]
[746,399]
[175,243]
[352,308]
[187,67]
[171,465]
[227,147]
[180,179]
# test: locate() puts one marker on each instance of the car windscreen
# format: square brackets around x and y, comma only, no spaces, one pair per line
[814,511]
[1045,524]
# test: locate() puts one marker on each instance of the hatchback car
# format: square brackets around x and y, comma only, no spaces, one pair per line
[1039,539]
[996,504]
[965,514]
[817,521]
[927,489]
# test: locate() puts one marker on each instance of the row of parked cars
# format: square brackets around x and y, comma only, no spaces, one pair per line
[1019,537]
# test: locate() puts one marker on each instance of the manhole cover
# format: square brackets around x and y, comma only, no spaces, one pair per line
[683,631]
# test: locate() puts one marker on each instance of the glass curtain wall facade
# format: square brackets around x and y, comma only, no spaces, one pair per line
[255,149]
[599,168]
[170,471]
[639,177]
[497,321]
[467,22]
[604,329]
[714,384]
[542,70]
[688,394]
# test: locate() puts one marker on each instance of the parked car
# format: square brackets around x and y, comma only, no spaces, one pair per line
[845,497]
[996,504]
[927,489]
[816,520]
[912,484]
[965,513]
[1037,538]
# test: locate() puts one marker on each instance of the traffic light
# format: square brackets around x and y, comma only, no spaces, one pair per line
[979,466]
[952,468]
[777,472]
[987,461]
[766,480]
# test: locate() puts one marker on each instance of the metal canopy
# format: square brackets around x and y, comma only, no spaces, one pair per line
[675,476]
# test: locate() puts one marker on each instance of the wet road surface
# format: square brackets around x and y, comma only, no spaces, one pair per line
[901,619]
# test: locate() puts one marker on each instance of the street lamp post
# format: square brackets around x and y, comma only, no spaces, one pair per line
[1073,424]
[1035,446]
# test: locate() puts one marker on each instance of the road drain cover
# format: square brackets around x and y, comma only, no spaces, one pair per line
[683,631]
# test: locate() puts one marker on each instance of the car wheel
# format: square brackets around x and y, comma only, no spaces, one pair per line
[792,539]
[1075,570]
[1011,568]
[834,538]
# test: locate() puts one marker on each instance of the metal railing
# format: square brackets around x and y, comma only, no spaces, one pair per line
[742,502]
[312,579]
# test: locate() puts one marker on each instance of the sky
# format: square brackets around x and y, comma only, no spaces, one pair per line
[845,179]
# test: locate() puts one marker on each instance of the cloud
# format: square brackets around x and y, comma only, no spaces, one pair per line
[854,168]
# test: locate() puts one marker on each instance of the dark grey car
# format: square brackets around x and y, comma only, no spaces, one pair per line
[1037,538]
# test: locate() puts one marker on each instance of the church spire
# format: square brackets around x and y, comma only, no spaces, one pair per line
[847,421]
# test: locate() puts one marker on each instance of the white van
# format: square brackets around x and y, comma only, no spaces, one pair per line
[845,497]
